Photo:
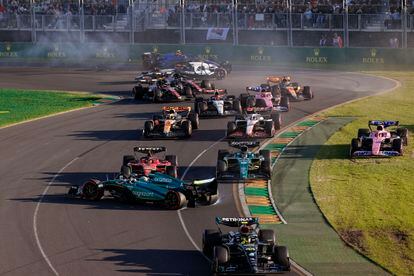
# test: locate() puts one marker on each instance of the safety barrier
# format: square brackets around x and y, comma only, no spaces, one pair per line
[249,55]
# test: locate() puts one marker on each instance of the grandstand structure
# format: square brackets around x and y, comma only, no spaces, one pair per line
[323,23]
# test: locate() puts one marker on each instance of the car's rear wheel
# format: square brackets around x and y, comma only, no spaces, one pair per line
[221,154]
[220,73]
[307,93]
[403,133]
[221,254]
[270,128]
[237,106]
[127,159]
[363,132]
[92,191]
[281,256]
[243,99]
[211,238]
[171,171]
[277,119]
[285,102]
[138,92]
[267,236]
[172,159]
[251,102]
[174,200]
[266,155]
[195,121]
[354,146]
[397,146]
[188,130]
[188,92]
[231,127]
[221,167]
[157,95]
[148,128]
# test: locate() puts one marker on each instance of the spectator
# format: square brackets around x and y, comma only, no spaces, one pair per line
[322,41]
[337,41]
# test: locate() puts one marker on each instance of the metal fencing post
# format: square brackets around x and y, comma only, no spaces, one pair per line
[33,21]
[235,23]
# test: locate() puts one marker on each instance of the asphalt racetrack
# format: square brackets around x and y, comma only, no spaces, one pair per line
[45,233]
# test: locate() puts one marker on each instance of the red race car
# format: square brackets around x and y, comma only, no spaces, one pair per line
[149,163]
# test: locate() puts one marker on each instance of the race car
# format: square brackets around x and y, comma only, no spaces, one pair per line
[263,100]
[220,104]
[158,188]
[175,122]
[379,142]
[283,87]
[254,126]
[243,164]
[206,70]
[161,90]
[246,251]
[153,61]
[149,163]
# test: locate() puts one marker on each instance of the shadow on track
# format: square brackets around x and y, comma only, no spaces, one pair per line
[136,134]
[157,262]
[340,151]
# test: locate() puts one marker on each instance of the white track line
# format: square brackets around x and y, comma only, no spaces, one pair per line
[183,225]
[36,232]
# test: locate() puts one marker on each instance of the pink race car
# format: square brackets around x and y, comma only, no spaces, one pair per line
[264,100]
[379,142]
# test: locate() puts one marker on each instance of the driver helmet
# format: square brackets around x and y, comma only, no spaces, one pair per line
[171,114]
[380,128]
[244,150]
[245,231]
[144,178]
[285,79]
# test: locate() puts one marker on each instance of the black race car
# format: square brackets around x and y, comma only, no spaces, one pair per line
[162,89]
[175,122]
[248,251]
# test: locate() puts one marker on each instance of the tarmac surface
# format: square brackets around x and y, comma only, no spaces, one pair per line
[45,233]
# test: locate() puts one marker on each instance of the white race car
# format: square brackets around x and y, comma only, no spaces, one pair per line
[254,126]
[201,70]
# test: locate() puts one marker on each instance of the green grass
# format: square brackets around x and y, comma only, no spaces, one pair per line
[21,105]
[370,202]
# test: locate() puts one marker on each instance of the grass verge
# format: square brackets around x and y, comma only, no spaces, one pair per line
[20,105]
[370,202]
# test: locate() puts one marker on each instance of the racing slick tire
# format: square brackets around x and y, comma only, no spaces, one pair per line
[188,92]
[126,171]
[277,119]
[281,256]
[221,254]
[207,84]
[221,167]
[92,191]
[285,102]
[354,146]
[307,93]
[201,107]
[171,171]
[397,146]
[174,200]
[222,154]
[172,159]
[211,238]
[243,99]
[231,127]
[270,128]
[250,101]
[187,127]
[275,90]
[266,169]
[148,127]
[127,159]
[157,95]
[138,92]
[266,155]
[363,132]
[267,236]
[195,121]
[237,106]
[403,133]
[220,73]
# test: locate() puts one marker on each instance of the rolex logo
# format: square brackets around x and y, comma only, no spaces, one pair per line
[316,52]
[8,47]
[155,49]
[260,50]
[373,52]
[208,50]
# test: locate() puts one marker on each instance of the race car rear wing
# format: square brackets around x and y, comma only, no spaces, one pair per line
[237,221]
[150,150]
[249,144]
[383,123]
[277,79]
[177,108]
